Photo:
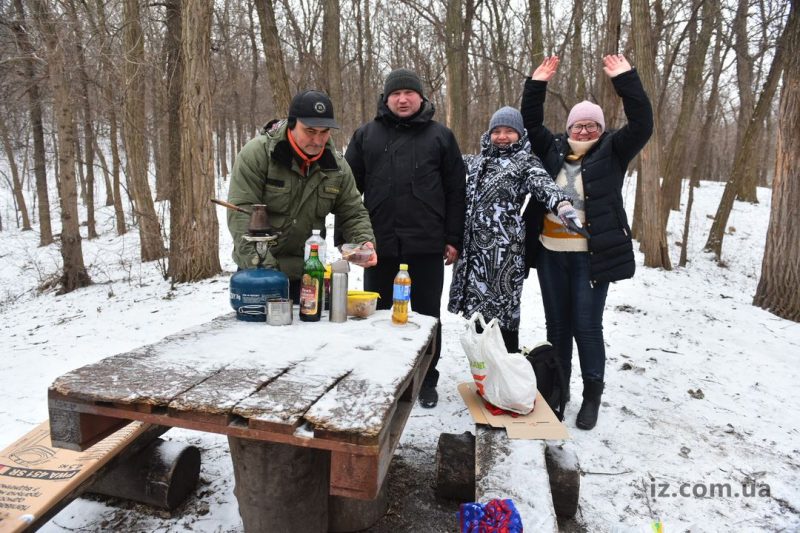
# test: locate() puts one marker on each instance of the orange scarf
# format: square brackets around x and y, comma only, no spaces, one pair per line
[305,160]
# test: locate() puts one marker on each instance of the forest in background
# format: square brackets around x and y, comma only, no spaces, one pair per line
[150,102]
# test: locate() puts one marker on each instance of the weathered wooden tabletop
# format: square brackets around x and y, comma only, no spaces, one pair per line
[345,387]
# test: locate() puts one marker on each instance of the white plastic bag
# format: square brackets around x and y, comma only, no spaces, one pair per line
[505,380]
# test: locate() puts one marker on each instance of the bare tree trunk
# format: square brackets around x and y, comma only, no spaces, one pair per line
[607,98]
[79,162]
[151,243]
[636,223]
[21,33]
[700,161]
[254,57]
[194,253]
[744,78]
[361,103]
[780,270]
[577,81]
[331,64]
[675,164]
[745,153]
[74,275]
[159,132]
[537,31]
[703,167]
[109,88]
[88,129]
[231,88]
[272,50]
[222,147]
[686,220]
[457,37]
[498,34]
[106,174]
[368,98]
[653,234]
[16,183]
[174,94]
[119,212]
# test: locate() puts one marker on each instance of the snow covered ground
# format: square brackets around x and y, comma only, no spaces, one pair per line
[698,395]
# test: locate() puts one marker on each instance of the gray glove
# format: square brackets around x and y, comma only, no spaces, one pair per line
[568,214]
[569,217]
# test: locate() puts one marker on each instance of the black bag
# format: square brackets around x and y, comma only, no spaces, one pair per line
[550,379]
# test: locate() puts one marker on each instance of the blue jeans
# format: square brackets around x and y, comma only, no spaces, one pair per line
[573,309]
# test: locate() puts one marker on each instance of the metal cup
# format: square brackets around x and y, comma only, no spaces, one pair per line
[279,312]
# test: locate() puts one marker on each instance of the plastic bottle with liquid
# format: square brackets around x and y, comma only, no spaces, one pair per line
[311,288]
[401,296]
[316,238]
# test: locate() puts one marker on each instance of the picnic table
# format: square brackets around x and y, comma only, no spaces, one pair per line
[311,410]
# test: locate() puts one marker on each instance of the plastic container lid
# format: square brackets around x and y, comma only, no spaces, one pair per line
[362,295]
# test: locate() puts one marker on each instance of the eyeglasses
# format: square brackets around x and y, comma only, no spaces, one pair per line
[590,128]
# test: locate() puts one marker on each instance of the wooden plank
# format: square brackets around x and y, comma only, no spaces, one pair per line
[359,409]
[41,480]
[280,405]
[74,430]
[213,400]
[236,428]
[515,469]
[354,476]
[140,380]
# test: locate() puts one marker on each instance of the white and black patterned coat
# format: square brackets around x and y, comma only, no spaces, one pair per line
[491,268]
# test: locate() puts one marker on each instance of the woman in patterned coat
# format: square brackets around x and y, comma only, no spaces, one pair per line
[490,271]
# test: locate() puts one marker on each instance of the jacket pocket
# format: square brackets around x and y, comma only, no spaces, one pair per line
[278,197]
[428,189]
[623,220]
[376,191]
[327,193]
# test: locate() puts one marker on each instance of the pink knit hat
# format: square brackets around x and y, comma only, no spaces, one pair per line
[586,110]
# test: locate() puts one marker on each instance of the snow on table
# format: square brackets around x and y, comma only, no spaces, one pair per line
[344,379]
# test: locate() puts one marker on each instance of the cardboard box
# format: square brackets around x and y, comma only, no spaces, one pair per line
[539,424]
[34,476]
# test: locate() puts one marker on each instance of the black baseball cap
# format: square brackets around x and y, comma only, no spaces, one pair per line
[313,108]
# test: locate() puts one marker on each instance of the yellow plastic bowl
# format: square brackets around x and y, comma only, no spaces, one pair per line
[361,303]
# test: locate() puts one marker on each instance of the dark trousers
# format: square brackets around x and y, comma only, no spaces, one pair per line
[427,278]
[573,309]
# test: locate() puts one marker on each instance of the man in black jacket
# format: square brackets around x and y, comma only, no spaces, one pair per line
[409,168]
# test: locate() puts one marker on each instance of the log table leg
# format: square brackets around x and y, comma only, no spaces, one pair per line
[162,475]
[280,487]
[351,514]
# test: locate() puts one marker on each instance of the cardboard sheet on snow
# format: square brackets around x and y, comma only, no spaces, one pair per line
[541,423]
[34,476]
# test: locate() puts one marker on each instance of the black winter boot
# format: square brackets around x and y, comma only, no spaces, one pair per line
[592,393]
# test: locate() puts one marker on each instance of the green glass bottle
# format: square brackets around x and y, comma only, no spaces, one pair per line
[311,287]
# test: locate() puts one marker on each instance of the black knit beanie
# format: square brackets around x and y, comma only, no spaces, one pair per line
[402,78]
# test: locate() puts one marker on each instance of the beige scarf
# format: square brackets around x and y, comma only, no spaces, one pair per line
[579,148]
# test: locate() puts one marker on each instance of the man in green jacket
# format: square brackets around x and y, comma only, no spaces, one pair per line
[294,169]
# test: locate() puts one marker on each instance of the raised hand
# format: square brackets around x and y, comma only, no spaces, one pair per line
[546,70]
[614,65]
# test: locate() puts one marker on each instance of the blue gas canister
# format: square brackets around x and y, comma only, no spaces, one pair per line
[251,288]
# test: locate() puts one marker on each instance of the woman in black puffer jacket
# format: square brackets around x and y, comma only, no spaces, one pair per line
[589,163]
